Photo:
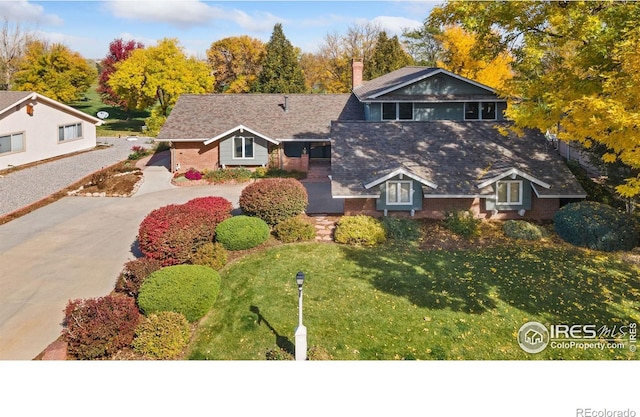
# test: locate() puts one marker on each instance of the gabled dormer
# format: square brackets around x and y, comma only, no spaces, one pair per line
[427,94]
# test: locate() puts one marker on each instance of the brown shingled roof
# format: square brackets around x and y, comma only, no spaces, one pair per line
[456,156]
[9,98]
[307,116]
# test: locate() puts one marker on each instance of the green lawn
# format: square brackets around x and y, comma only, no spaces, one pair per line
[118,122]
[393,303]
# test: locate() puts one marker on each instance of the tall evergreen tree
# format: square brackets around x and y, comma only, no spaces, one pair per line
[281,71]
[388,55]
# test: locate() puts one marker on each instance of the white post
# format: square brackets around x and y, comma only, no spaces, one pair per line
[301,333]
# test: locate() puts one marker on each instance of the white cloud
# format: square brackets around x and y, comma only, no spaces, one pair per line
[259,22]
[395,25]
[23,11]
[178,13]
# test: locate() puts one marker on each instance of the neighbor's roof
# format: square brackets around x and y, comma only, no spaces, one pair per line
[383,87]
[450,158]
[308,116]
[10,99]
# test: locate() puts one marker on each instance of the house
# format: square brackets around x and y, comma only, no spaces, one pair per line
[34,127]
[415,142]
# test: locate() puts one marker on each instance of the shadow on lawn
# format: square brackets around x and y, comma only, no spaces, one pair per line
[568,285]
[282,342]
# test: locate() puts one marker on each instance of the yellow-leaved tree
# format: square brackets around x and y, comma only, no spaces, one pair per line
[159,75]
[576,70]
[459,55]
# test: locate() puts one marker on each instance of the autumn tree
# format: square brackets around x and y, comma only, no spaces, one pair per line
[119,51]
[423,45]
[388,55]
[235,62]
[281,71]
[159,75]
[458,55]
[54,71]
[13,42]
[576,67]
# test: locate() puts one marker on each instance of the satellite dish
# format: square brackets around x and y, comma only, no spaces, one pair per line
[102,115]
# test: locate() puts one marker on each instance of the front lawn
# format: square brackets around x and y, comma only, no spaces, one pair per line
[394,303]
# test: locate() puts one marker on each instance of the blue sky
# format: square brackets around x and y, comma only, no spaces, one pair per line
[88,26]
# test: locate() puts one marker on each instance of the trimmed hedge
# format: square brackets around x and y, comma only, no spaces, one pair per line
[520,229]
[295,229]
[162,336]
[360,230]
[210,254]
[134,273]
[99,327]
[274,199]
[242,232]
[171,233]
[596,226]
[188,289]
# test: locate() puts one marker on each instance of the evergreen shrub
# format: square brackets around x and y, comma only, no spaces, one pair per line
[596,226]
[242,232]
[295,229]
[360,230]
[188,289]
[520,229]
[162,336]
[210,254]
[462,223]
[401,229]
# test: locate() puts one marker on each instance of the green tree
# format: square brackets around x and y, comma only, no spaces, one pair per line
[423,45]
[388,55]
[54,71]
[576,65]
[159,74]
[235,62]
[281,71]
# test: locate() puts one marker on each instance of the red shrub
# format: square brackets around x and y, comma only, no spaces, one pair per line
[134,273]
[172,233]
[193,174]
[274,199]
[99,327]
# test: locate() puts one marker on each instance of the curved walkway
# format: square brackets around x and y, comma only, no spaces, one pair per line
[74,248]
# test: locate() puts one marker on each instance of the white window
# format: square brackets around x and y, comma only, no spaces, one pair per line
[509,192]
[242,147]
[480,111]
[400,192]
[69,132]
[12,143]
[397,111]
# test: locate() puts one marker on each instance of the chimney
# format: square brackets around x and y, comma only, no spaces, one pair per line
[357,67]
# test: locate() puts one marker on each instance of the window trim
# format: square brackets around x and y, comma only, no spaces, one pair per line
[397,111]
[62,128]
[397,184]
[10,136]
[480,104]
[509,184]
[244,144]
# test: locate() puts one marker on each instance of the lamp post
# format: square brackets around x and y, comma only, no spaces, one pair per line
[301,330]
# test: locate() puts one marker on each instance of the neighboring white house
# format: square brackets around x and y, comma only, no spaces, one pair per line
[34,127]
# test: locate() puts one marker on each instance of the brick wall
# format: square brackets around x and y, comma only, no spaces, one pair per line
[300,164]
[194,155]
[434,208]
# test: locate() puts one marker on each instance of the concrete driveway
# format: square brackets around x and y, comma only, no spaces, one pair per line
[74,248]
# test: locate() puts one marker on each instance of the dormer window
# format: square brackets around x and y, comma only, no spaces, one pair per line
[397,111]
[485,110]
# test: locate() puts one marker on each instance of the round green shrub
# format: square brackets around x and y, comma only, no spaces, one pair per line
[401,229]
[242,232]
[520,229]
[360,230]
[210,254]
[295,229]
[162,336]
[274,199]
[596,226]
[462,223]
[188,289]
